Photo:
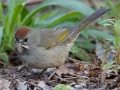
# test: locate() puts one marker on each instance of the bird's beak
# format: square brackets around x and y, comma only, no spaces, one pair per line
[18,46]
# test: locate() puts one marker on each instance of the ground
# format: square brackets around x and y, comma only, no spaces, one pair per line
[73,75]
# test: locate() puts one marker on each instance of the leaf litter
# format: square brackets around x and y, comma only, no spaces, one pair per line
[73,75]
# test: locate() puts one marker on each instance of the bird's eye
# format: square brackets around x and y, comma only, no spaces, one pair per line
[26,39]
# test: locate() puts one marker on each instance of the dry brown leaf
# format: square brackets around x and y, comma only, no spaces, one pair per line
[62,69]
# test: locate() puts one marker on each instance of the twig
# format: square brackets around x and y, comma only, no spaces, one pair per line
[34,85]
[51,75]
[63,79]
[83,77]
[71,78]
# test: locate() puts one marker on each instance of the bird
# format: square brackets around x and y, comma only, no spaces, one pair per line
[49,47]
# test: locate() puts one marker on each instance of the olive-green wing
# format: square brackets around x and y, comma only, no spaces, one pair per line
[53,37]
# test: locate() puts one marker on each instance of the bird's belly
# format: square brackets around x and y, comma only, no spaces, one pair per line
[46,58]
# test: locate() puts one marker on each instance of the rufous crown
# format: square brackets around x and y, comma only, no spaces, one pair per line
[22,32]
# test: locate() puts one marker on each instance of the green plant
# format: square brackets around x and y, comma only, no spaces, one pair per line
[115,5]
[115,24]
[9,21]
[62,87]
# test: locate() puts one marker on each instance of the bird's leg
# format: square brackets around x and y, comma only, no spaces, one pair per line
[42,72]
[35,74]
[51,75]
[38,74]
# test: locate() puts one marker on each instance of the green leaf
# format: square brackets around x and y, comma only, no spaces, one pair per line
[84,33]
[15,14]
[62,87]
[80,53]
[1,33]
[70,4]
[108,65]
[12,4]
[24,12]
[63,18]
[9,23]
[57,18]
[100,34]
[87,45]
[5,23]
[49,14]
[1,11]
[3,56]
[49,17]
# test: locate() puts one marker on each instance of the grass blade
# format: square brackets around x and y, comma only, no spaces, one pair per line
[70,4]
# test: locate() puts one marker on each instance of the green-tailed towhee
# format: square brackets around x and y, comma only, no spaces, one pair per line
[45,48]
